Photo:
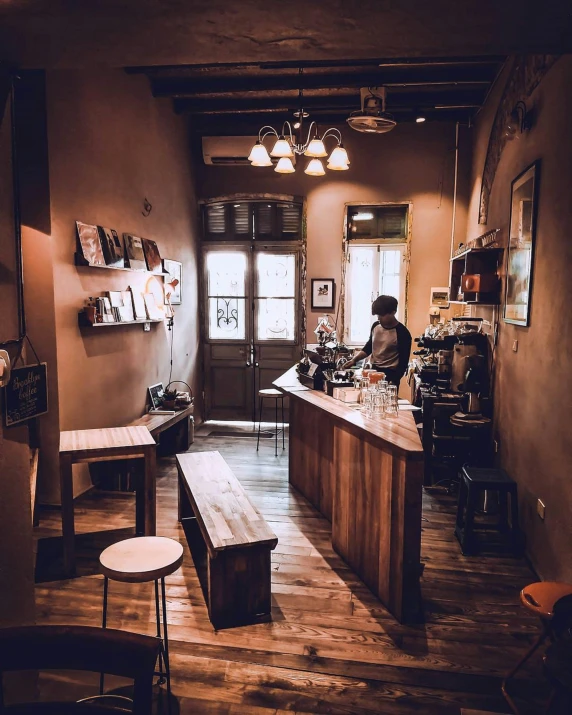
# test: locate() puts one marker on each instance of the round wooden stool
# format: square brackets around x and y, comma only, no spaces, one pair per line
[538,598]
[139,560]
[271,394]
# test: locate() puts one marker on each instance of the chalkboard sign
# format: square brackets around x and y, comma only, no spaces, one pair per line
[26,395]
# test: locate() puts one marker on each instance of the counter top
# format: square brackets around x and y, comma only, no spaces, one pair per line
[399,433]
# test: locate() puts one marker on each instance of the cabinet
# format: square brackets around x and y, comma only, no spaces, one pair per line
[475,276]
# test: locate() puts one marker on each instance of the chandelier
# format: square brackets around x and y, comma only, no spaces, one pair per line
[286,147]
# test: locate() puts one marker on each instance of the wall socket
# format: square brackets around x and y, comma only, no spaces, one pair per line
[541,509]
[515,346]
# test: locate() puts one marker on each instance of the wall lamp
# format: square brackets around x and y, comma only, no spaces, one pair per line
[520,119]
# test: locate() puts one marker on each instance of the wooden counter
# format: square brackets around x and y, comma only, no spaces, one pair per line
[365,475]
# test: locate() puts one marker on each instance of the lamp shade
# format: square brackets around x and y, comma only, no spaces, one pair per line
[282,148]
[259,156]
[338,160]
[285,165]
[316,148]
[315,168]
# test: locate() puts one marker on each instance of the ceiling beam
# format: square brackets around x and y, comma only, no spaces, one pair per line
[351,101]
[403,76]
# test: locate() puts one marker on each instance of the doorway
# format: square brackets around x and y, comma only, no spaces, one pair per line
[252,321]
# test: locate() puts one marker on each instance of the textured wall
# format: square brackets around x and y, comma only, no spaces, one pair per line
[110,145]
[411,163]
[532,386]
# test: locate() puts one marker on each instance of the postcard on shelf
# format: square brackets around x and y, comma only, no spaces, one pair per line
[115,298]
[153,310]
[88,236]
[134,252]
[138,301]
[106,310]
[152,256]
[126,311]
[112,247]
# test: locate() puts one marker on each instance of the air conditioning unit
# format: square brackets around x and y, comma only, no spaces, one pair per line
[227,151]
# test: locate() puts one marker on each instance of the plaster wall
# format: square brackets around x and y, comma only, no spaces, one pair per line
[412,163]
[111,144]
[533,396]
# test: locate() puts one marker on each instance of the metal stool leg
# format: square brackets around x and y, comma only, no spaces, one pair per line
[276,427]
[158,620]
[539,641]
[259,420]
[103,625]
[283,425]
[166,645]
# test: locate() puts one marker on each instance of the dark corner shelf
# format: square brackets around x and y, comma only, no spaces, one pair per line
[486,249]
[83,322]
[79,260]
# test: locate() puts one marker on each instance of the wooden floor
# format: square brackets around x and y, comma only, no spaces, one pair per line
[331,647]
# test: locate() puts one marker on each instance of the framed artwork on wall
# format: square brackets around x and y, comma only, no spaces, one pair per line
[323,290]
[175,270]
[520,249]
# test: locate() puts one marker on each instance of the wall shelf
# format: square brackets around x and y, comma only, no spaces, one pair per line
[79,260]
[484,262]
[83,322]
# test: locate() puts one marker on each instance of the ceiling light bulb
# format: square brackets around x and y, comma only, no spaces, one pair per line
[338,160]
[259,156]
[419,120]
[285,165]
[282,148]
[315,168]
[316,148]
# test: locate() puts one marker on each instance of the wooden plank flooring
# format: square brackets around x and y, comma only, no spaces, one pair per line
[331,647]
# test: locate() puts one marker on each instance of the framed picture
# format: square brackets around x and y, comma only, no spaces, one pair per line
[440,297]
[156,395]
[520,250]
[323,293]
[175,270]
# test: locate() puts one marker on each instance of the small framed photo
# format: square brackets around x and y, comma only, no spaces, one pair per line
[156,395]
[440,297]
[175,270]
[323,293]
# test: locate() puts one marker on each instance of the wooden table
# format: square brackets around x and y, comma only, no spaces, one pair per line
[100,445]
[365,475]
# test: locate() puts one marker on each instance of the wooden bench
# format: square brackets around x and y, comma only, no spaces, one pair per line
[175,427]
[229,539]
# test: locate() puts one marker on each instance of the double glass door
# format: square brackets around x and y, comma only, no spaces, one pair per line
[251,324]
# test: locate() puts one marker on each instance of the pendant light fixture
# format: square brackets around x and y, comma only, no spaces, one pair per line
[288,145]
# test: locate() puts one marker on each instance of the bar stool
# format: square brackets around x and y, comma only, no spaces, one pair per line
[140,560]
[473,481]
[539,598]
[271,394]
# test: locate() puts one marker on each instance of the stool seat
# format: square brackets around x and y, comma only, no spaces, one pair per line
[540,597]
[142,559]
[270,392]
[488,478]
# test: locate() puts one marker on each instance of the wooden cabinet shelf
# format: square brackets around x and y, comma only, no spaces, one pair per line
[482,265]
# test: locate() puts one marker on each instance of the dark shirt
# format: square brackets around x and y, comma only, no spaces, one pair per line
[389,348]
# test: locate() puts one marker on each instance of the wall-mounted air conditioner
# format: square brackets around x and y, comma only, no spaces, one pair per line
[227,151]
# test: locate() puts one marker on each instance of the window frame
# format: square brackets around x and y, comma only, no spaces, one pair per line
[387,243]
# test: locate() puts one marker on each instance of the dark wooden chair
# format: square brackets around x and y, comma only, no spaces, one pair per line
[83,648]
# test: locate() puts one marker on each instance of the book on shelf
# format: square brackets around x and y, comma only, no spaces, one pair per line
[90,243]
[152,256]
[134,252]
[112,246]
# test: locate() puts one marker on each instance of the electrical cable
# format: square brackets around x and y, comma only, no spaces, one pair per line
[171,360]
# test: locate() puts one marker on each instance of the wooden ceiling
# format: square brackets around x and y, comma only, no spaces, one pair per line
[237,99]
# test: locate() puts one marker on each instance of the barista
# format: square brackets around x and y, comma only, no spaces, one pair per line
[389,341]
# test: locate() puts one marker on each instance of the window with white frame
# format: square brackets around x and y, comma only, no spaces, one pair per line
[376,265]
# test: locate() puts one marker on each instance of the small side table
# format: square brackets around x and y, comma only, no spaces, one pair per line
[98,445]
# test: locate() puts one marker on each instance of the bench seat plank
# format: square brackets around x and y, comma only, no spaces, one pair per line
[228,520]
[229,539]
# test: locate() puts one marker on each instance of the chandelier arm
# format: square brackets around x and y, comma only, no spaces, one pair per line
[333,132]
[262,137]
